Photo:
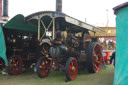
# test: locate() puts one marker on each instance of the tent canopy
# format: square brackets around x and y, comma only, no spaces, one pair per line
[121,59]
[2,47]
[17,22]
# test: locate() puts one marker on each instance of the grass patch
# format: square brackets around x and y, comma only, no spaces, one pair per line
[104,77]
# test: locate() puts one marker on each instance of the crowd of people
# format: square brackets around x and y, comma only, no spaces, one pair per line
[108,45]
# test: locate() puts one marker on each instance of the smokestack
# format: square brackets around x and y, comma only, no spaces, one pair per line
[1,10]
[5,10]
[59,5]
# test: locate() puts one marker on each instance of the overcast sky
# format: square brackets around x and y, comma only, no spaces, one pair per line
[95,11]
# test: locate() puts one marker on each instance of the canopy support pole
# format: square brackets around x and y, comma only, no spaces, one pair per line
[53,29]
[38,29]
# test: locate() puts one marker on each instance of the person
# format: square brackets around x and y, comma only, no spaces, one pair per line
[112,58]
[104,45]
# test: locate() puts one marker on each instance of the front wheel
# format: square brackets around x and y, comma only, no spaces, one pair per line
[15,65]
[71,68]
[43,67]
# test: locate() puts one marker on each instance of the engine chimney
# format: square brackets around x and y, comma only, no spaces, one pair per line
[1,10]
[5,10]
[59,5]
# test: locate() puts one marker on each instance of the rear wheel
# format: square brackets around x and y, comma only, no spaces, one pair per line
[71,68]
[15,65]
[94,57]
[43,67]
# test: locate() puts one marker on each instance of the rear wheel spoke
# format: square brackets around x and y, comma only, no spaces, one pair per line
[95,66]
[97,62]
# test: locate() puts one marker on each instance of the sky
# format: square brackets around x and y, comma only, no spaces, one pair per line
[96,12]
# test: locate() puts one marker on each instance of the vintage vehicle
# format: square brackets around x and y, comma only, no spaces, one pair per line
[65,44]
[18,43]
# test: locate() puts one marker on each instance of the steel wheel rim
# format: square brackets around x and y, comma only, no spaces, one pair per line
[97,57]
[44,69]
[72,69]
[15,65]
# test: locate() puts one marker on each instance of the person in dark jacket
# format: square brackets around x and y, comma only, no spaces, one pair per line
[112,58]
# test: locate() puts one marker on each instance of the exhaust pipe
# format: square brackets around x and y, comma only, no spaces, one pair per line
[59,5]
[5,10]
[1,10]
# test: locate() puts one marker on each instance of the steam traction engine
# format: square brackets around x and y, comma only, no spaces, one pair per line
[65,44]
[19,41]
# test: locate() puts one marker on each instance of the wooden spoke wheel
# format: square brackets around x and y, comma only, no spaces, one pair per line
[71,68]
[2,64]
[94,57]
[43,67]
[15,65]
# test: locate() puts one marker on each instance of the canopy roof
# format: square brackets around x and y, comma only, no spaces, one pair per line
[63,18]
[30,23]
[17,22]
